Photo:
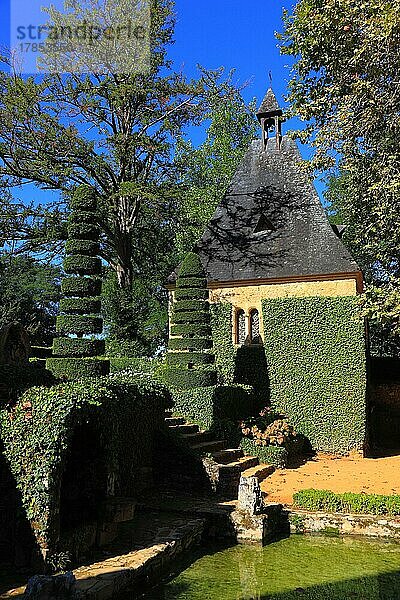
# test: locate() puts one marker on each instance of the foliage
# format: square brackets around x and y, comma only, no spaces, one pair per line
[206,171]
[221,324]
[29,291]
[38,432]
[81,313]
[325,500]
[207,406]
[315,352]
[149,366]
[276,456]
[381,306]
[186,368]
[79,286]
[15,379]
[347,63]
[78,347]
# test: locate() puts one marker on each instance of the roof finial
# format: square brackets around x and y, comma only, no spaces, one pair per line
[270,79]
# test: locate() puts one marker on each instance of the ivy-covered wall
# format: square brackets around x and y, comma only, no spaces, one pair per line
[37,436]
[315,351]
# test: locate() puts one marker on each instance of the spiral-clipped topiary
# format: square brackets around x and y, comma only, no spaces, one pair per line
[76,357]
[190,360]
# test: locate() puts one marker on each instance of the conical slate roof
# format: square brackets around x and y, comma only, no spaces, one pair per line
[268,105]
[271,224]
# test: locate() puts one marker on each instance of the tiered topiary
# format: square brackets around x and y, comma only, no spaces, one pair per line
[190,359]
[75,357]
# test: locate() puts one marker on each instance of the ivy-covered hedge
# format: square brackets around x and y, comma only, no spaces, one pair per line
[324,500]
[221,324]
[76,347]
[192,344]
[37,435]
[316,361]
[205,406]
[272,455]
[80,306]
[76,368]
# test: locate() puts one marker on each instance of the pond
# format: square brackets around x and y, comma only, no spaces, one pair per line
[300,567]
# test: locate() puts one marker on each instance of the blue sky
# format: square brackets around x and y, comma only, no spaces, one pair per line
[235,34]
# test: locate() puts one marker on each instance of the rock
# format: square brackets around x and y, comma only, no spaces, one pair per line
[58,587]
[250,498]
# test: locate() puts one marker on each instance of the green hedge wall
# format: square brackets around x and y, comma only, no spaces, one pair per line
[191,294]
[77,368]
[186,379]
[192,282]
[207,406]
[37,435]
[221,325]
[324,500]
[77,347]
[80,306]
[81,286]
[192,344]
[315,353]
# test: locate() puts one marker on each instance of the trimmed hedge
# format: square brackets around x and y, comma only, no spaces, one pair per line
[176,359]
[75,368]
[80,306]
[191,330]
[191,294]
[190,305]
[79,324]
[81,286]
[315,353]
[77,347]
[191,266]
[137,365]
[191,282]
[221,325]
[192,344]
[207,406]
[83,231]
[186,379]
[191,317]
[83,198]
[86,247]
[80,264]
[81,216]
[272,455]
[324,500]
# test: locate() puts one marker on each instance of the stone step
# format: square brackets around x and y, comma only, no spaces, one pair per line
[185,428]
[197,437]
[209,446]
[227,456]
[175,421]
[229,475]
[260,471]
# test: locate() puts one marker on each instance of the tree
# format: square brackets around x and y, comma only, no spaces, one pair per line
[29,291]
[114,132]
[205,172]
[345,85]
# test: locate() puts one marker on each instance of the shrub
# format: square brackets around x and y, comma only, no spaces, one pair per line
[189,364]
[191,294]
[81,286]
[80,264]
[207,406]
[315,352]
[273,455]
[79,324]
[80,306]
[192,282]
[81,302]
[77,347]
[327,501]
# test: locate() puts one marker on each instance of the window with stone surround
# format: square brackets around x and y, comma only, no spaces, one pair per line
[240,326]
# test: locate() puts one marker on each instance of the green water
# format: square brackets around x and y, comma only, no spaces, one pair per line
[300,567]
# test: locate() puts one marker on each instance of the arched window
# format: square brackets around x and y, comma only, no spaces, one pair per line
[255,327]
[240,327]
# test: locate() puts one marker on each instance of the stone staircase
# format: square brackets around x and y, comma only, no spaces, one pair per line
[224,466]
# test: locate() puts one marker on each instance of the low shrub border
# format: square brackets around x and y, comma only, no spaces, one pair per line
[324,500]
[272,455]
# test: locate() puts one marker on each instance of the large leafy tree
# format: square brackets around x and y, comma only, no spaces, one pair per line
[345,86]
[29,291]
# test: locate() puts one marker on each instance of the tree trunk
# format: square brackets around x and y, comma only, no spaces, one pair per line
[124,224]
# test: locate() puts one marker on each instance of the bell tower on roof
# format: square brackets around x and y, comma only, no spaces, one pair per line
[270,117]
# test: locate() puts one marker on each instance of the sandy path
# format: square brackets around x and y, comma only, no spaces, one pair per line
[338,474]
